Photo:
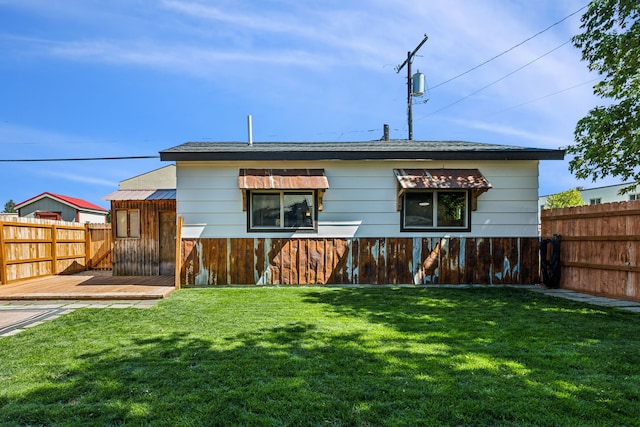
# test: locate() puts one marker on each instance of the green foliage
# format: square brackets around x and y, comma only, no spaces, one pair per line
[9,207]
[316,356]
[565,199]
[607,140]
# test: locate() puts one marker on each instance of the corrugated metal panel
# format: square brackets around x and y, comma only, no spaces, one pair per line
[168,194]
[441,179]
[283,179]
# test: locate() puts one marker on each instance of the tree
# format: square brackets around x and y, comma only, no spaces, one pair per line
[565,199]
[9,207]
[607,139]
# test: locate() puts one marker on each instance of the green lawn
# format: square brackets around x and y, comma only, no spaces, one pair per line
[329,356]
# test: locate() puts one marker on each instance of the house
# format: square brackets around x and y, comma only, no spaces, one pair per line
[144,224]
[603,194]
[63,208]
[379,212]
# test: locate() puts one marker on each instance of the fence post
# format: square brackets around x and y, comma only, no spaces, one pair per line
[87,247]
[178,252]
[54,249]
[3,257]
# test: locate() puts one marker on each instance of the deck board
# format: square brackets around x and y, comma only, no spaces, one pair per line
[88,287]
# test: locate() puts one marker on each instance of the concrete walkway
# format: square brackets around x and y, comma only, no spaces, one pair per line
[15,316]
[588,299]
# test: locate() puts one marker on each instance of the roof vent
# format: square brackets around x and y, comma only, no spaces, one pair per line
[250,129]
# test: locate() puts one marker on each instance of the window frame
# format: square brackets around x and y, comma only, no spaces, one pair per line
[129,220]
[282,229]
[435,197]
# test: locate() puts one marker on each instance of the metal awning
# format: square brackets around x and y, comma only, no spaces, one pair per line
[442,179]
[282,179]
[439,179]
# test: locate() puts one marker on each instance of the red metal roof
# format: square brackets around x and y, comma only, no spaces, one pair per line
[75,202]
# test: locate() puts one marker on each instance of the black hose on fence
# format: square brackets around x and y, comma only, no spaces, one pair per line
[550,261]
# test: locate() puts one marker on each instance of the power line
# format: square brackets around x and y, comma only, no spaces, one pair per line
[496,81]
[79,159]
[546,96]
[511,48]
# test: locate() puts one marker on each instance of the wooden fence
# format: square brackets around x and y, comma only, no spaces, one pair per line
[600,247]
[33,248]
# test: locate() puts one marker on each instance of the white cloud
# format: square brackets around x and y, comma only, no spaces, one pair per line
[86,177]
[342,28]
[537,137]
[13,134]
[203,62]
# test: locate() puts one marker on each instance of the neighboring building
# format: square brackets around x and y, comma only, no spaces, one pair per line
[604,194]
[144,224]
[379,212]
[164,177]
[63,208]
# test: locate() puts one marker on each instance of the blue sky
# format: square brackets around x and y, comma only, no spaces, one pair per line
[94,78]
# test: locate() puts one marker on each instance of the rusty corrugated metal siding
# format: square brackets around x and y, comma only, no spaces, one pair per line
[420,261]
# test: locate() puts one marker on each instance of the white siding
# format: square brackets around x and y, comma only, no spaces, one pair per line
[84,217]
[361,200]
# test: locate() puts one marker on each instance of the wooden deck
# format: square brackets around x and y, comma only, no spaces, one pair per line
[89,287]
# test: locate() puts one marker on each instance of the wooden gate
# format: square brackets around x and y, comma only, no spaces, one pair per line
[167,233]
[100,244]
[600,249]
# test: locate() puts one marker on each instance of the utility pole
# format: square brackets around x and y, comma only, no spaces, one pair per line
[407,62]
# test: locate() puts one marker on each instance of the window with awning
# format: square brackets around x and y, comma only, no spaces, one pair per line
[438,199]
[282,199]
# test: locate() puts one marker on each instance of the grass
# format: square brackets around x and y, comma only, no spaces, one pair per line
[329,356]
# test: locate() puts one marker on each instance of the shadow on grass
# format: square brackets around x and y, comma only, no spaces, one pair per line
[425,359]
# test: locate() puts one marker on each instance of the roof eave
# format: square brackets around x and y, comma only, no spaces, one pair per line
[362,155]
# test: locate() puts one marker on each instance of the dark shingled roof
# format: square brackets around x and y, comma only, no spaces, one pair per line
[369,150]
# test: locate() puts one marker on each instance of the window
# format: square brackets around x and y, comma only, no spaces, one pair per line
[633,197]
[282,210]
[438,199]
[435,210]
[128,223]
[282,199]
[595,201]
